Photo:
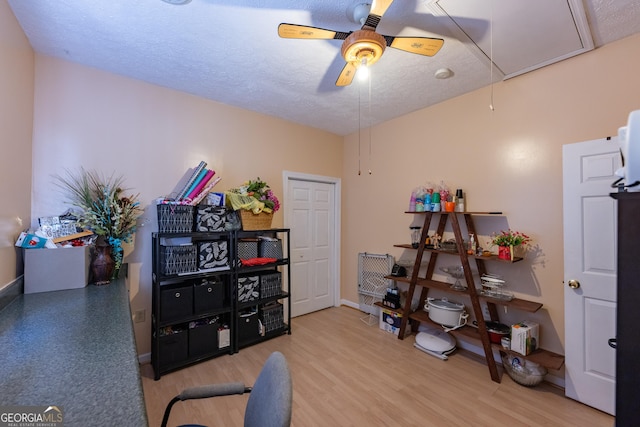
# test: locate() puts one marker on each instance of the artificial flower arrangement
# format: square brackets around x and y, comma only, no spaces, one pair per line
[510,238]
[254,195]
[507,241]
[104,208]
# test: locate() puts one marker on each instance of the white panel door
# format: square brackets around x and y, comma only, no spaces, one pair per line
[311,208]
[590,253]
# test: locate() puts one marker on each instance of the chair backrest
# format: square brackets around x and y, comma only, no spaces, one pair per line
[270,400]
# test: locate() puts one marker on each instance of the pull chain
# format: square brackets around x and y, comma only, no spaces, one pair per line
[359,125]
[370,121]
[491,54]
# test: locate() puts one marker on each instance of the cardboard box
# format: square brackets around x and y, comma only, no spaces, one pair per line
[56,269]
[525,337]
[390,321]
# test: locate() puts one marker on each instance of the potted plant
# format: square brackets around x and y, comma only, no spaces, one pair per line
[508,241]
[255,202]
[108,212]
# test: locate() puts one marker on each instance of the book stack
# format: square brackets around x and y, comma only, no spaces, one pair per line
[199,184]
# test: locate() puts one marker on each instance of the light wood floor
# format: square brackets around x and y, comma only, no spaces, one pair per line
[346,373]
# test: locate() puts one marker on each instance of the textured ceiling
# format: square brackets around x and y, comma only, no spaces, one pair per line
[229,51]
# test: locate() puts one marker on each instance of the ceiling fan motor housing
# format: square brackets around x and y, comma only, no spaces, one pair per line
[363,45]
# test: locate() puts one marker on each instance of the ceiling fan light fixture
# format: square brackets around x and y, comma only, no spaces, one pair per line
[363,71]
[363,44]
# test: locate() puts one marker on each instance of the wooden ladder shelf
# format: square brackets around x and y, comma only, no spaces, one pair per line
[479,335]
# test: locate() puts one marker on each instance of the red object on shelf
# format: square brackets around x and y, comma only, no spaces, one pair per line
[258,261]
[504,252]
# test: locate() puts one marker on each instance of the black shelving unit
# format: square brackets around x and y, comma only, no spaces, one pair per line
[628,292]
[263,317]
[192,301]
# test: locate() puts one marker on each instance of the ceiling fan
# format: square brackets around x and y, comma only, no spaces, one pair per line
[365,46]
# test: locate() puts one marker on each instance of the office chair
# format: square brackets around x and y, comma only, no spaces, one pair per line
[269,403]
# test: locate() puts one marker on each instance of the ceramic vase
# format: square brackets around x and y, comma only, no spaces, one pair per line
[102,263]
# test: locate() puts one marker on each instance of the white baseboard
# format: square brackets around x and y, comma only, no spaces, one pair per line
[11,290]
[350,304]
[144,358]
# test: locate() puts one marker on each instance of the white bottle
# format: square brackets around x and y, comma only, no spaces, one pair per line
[472,245]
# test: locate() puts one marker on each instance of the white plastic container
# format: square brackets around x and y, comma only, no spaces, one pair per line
[445,312]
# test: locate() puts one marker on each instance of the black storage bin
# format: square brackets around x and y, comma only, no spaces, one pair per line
[178,259]
[175,218]
[203,337]
[270,284]
[211,218]
[248,288]
[272,317]
[269,248]
[209,294]
[176,303]
[247,248]
[248,327]
[173,347]
[213,255]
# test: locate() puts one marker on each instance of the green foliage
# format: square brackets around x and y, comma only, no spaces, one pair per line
[104,209]
[510,238]
[254,195]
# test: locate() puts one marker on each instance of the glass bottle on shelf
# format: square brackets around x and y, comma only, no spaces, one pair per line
[415,236]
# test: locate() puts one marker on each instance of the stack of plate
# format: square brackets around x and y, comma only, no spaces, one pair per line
[493,287]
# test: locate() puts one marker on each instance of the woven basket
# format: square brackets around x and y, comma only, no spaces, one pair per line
[251,221]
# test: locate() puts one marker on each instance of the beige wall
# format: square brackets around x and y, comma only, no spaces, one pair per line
[509,160]
[152,136]
[16,118]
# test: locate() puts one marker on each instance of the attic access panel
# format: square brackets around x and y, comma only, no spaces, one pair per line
[526,35]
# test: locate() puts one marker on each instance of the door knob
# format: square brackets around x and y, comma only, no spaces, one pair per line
[574,284]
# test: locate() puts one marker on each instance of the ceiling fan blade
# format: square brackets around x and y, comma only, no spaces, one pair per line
[427,46]
[347,74]
[378,8]
[294,31]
